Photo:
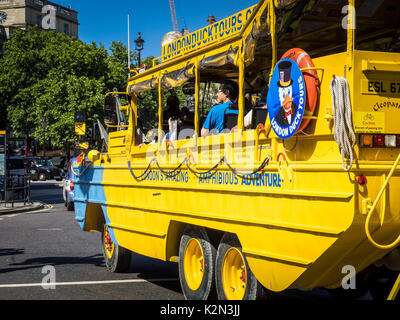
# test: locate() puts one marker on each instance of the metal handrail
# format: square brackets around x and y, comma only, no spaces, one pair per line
[397,241]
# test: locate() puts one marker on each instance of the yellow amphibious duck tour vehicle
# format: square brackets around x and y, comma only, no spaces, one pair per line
[306,192]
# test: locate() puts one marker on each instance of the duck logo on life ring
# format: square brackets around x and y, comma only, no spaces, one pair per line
[310,75]
[286,98]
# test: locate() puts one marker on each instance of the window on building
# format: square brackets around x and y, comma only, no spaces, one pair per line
[66,28]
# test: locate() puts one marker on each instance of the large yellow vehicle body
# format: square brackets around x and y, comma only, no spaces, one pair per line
[299,225]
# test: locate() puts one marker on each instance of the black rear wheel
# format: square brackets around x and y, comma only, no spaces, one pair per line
[233,277]
[381,282]
[70,206]
[117,258]
[196,264]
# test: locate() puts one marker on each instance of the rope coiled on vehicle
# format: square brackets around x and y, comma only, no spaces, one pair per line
[342,115]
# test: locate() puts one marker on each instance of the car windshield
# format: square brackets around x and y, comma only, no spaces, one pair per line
[44,162]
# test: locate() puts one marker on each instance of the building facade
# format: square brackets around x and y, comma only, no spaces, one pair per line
[19,14]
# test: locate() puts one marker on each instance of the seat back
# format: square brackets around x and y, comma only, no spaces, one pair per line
[259,116]
[231,118]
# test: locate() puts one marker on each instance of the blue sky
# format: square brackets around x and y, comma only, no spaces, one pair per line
[103,21]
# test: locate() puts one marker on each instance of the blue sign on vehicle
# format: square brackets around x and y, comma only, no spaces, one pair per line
[286,98]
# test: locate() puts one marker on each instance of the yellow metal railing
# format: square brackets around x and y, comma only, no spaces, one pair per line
[115,126]
[372,209]
[395,290]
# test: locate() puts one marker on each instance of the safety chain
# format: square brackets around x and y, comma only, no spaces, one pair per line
[255,175]
[204,175]
[81,173]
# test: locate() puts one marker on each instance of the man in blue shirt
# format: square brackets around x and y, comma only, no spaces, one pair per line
[226,95]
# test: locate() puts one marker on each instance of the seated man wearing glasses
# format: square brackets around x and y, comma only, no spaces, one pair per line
[226,96]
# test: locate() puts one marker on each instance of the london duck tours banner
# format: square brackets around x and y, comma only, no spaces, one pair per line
[286,98]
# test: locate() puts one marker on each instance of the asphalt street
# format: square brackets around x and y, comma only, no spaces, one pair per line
[37,248]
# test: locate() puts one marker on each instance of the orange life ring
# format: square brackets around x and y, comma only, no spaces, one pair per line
[311,80]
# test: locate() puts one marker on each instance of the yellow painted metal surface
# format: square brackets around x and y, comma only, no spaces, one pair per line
[211,34]
[193,261]
[377,88]
[80,128]
[288,228]
[234,275]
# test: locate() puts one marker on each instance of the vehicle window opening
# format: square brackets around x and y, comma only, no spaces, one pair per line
[223,108]
[179,113]
[116,112]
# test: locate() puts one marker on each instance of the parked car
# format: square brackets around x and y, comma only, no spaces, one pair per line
[68,187]
[43,169]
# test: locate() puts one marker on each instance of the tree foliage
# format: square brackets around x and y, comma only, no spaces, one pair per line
[49,74]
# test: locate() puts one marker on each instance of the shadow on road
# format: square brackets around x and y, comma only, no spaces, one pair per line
[11,252]
[96,260]
[152,269]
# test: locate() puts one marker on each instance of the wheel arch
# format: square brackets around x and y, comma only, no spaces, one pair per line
[94,218]
[175,232]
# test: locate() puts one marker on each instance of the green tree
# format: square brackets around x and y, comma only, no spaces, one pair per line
[148,102]
[48,74]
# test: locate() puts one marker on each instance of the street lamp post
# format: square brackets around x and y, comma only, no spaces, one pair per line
[44,125]
[139,46]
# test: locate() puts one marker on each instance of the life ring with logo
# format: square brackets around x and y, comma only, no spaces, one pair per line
[311,80]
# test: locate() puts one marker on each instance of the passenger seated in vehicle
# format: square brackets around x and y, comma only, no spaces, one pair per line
[172,111]
[249,119]
[187,116]
[186,126]
[226,95]
[174,118]
[231,119]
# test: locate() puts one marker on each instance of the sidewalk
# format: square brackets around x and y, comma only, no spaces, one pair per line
[19,207]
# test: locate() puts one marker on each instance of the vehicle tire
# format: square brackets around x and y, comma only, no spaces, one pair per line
[381,282]
[65,200]
[70,206]
[233,277]
[42,177]
[117,258]
[196,264]
[360,290]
